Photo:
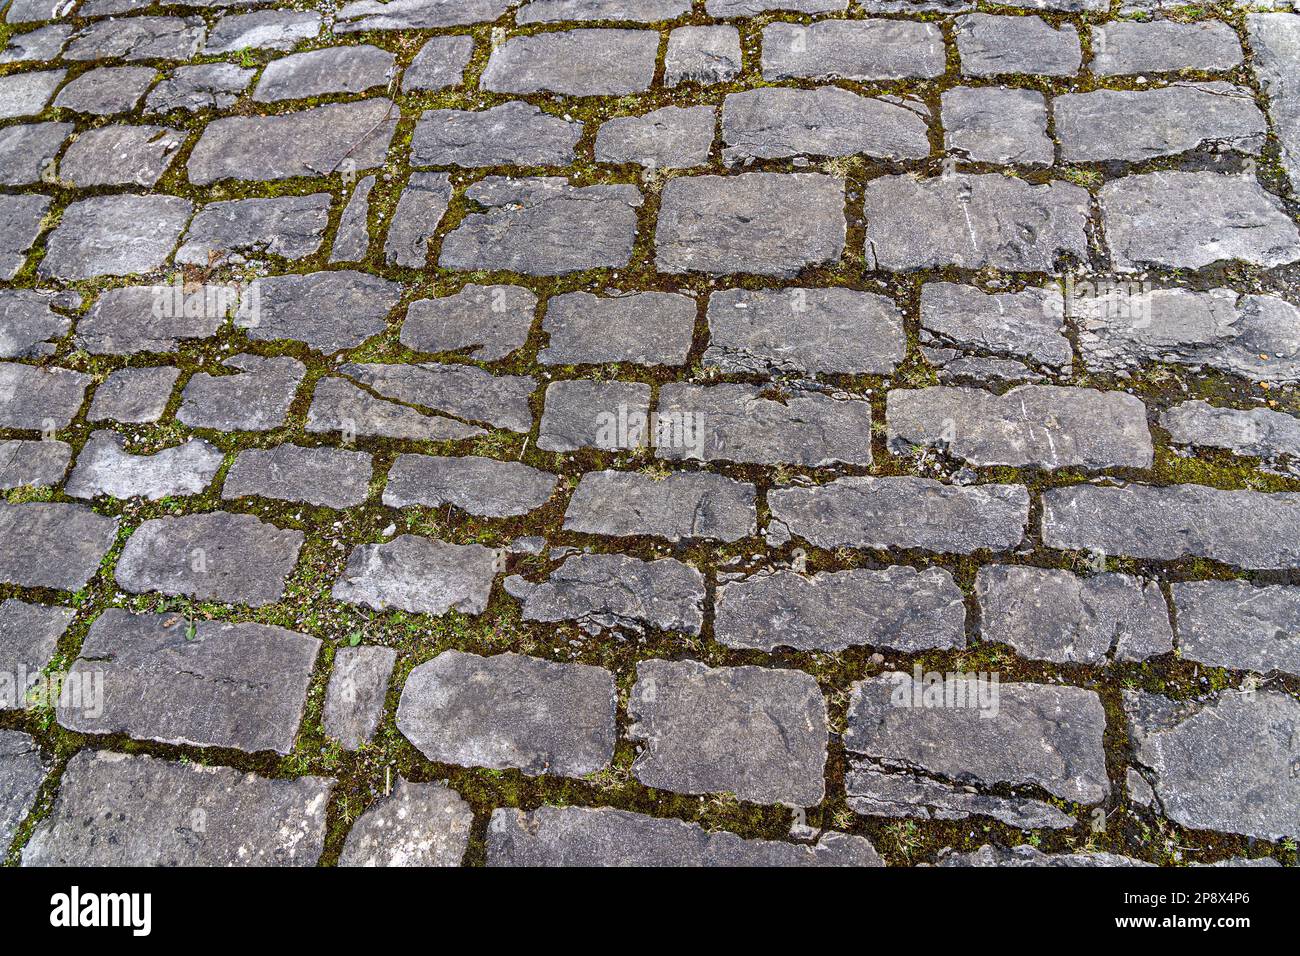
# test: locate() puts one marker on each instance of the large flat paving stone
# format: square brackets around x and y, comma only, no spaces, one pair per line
[207,86]
[1238,625]
[26,94]
[512,134]
[702,54]
[972,221]
[28,326]
[904,512]
[416,14]
[121,155]
[876,792]
[339,405]
[234,558]
[356,694]
[600,414]
[440,63]
[1248,529]
[152,318]
[51,545]
[582,62]
[1126,48]
[603,836]
[221,685]
[1225,763]
[1022,325]
[262,30]
[344,69]
[680,506]
[638,11]
[106,90]
[21,220]
[862,50]
[419,824]
[313,142]
[898,608]
[330,311]
[352,241]
[1047,426]
[612,590]
[292,227]
[543,226]
[119,810]
[28,150]
[36,464]
[477,485]
[464,391]
[1275,43]
[256,398]
[490,321]
[729,224]
[29,638]
[1185,220]
[840,331]
[327,477]
[114,236]
[40,398]
[138,38]
[644,328]
[423,203]
[997,125]
[411,573]
[1054,615]
[1257,432]
[510,711]
[1018,734]
[106,467]
[992,45]
[669,138]
[22,771]
[755,732]
[1025,855]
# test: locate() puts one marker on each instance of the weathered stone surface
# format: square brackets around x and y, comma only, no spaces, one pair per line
[105,467]
[755,732]
[424,202]
[702,54]
[138,38]
[510,711]
[1047,426]
[416,14]
[864,50]
[726,224]
[327,310]
[352,241]
[340,406]
[973,221]
[354,699]
[1190,220]
[32,11]
[585,836]
[29,637]
[289,226]
[614,590]
[440,63]
[479,486]
[574,63]
[749,8]
[1026,855]
[35,464]
[28,326]
[512,134]
[115,236]
[899,608]
[489,322]
[1054,615]
[150,318]
[1022,734]
[775,123]
[310,142]
[134,395]
[411,573]
[1126,48]
[463,391]
[544,226]
[1091,127]
[255,400]
[585,414]
[22,770]
[742,423]
[804,330]
[120,155]
[106,90]
[420,824]
[1238,625]
[262,30]
[681,506]
[875,792]
[343,69]
[645,328]
[328,477]
[1026,325]
[21,219]
[904,512]
[39,398]
[1256,336]
[217,556]
[48,545]
[639,11]
[992,45]
[1248,529]
[1275,45]
[119,810]
[1258,432]
[1225,763]
[207,86]
[210,683]
[27,151]
[26,94]
[669,138]
[36,46]
[997,125]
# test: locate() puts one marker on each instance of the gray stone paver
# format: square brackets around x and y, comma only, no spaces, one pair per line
[634,392]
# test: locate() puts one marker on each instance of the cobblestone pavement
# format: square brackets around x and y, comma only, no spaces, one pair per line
[649,431]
